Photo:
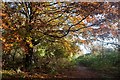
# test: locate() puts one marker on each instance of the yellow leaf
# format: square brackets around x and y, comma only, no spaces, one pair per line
[2,39]
[31,45]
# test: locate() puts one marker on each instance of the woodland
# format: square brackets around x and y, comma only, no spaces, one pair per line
[42,40]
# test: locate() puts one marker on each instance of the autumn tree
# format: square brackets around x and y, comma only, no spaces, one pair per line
[26,24]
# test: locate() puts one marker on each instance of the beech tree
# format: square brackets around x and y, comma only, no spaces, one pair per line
[26,24]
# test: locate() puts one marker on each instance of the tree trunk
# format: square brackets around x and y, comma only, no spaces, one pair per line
[28,58]
[119,40]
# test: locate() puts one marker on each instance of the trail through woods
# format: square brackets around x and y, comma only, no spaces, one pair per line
[76,72]
[82,72]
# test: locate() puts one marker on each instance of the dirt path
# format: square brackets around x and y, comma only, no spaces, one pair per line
[81,72]
[77,72]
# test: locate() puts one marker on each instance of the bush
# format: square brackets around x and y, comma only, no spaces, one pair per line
[51,60]
[12,60]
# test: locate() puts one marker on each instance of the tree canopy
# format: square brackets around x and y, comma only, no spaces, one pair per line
[28,24]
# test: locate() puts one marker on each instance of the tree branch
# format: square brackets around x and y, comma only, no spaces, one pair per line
[67,32]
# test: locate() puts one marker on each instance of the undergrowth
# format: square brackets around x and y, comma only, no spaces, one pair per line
[109,63]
